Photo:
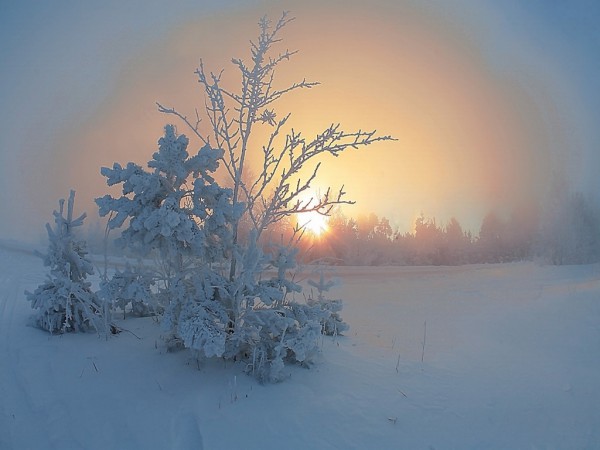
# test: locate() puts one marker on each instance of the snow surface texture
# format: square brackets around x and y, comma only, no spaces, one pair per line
[489,356]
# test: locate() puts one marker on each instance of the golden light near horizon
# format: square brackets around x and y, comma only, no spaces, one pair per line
[470,138]
[429,94]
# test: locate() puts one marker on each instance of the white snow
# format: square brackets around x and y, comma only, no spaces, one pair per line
[511,359]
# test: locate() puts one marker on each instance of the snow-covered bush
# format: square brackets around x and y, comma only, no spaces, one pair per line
[129,290]
[330,320]
[272,329]
[65,301]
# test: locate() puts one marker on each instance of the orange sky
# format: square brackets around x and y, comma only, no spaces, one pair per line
[472,135]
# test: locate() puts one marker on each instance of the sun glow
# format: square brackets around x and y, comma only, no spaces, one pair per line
[314,223]
[470,139]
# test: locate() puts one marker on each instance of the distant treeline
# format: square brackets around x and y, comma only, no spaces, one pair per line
[566,232]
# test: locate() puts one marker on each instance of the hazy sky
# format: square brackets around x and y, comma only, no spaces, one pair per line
[492,102]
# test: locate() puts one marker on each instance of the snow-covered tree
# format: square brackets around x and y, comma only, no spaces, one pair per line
[65,301]
[176,208]
[176,212]
[224,292]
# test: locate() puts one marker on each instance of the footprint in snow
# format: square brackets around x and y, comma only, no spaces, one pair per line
[185,432]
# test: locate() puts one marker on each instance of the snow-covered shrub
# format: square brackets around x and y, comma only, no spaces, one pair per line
[65,302]
[129,290]
[280,337]
[272,329]
[196,316]
[330,318]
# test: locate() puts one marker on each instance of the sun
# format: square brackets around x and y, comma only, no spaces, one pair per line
[314,222]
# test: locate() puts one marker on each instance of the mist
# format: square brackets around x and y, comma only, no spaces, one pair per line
[493,104]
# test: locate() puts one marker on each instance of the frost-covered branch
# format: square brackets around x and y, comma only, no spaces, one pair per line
[275,193]
[194,127]
[286,197]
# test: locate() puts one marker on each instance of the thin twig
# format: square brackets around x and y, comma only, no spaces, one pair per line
[424,340]
[125,329]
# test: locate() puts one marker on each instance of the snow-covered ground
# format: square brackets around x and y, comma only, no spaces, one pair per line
[474,357]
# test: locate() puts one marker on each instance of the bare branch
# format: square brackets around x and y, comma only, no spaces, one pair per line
[279,190]
[194,127]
